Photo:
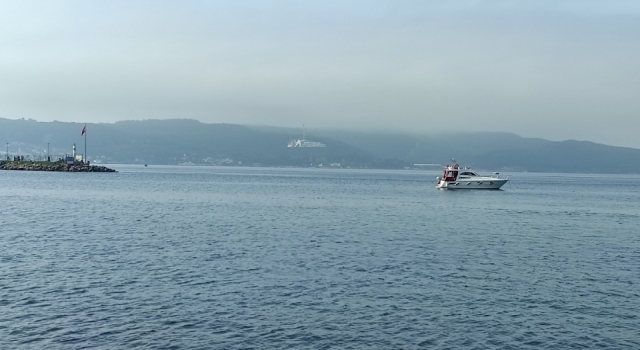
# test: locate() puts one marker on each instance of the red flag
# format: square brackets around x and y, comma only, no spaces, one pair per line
[84,130]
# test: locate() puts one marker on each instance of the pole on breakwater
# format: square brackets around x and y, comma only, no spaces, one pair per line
[84,132]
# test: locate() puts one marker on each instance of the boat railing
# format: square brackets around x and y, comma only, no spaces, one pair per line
[500,177]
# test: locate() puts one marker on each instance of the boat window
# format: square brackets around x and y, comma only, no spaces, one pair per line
[468,173]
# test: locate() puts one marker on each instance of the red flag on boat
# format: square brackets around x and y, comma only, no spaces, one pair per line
[84,130]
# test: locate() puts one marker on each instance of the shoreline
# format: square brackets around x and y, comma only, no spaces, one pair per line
[53,166]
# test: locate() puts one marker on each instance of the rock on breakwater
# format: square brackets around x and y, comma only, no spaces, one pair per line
[54,166]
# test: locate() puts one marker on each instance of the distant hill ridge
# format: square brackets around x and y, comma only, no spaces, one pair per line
[185,141]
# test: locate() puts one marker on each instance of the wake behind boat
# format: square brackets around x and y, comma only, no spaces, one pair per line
[454,177]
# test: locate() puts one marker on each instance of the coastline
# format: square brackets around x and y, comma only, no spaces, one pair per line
[53,166]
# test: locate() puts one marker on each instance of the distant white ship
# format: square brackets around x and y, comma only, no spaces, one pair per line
[304,143]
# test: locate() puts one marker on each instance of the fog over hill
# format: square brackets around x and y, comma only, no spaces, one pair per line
[184,141]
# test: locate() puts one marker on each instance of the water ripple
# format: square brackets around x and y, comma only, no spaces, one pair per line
[174,258]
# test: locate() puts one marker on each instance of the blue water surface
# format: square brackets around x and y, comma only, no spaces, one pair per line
[216,257]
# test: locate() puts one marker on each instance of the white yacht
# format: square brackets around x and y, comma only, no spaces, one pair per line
[454,177]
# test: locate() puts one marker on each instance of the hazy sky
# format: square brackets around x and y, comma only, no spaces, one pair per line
[552,69]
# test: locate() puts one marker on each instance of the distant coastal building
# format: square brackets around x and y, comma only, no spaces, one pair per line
[73,158]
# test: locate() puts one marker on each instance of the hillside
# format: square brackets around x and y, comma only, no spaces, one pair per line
[182,141]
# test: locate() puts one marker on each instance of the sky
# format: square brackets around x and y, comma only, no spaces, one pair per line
[551,69]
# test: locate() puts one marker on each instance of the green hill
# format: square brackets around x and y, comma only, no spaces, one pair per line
[180,141]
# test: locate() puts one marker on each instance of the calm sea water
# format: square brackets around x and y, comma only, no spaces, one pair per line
[197,257]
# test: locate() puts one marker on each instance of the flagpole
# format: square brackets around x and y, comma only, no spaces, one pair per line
[85,144]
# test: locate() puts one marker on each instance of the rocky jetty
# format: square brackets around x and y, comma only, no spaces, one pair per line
[54,166]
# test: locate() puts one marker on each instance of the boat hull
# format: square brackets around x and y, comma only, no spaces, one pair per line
[484,184]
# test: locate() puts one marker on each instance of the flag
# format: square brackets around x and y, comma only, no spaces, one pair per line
[84,130]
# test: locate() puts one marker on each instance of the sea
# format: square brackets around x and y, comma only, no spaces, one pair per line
[180,257]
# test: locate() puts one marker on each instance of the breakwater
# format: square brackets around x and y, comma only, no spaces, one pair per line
[54,166]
